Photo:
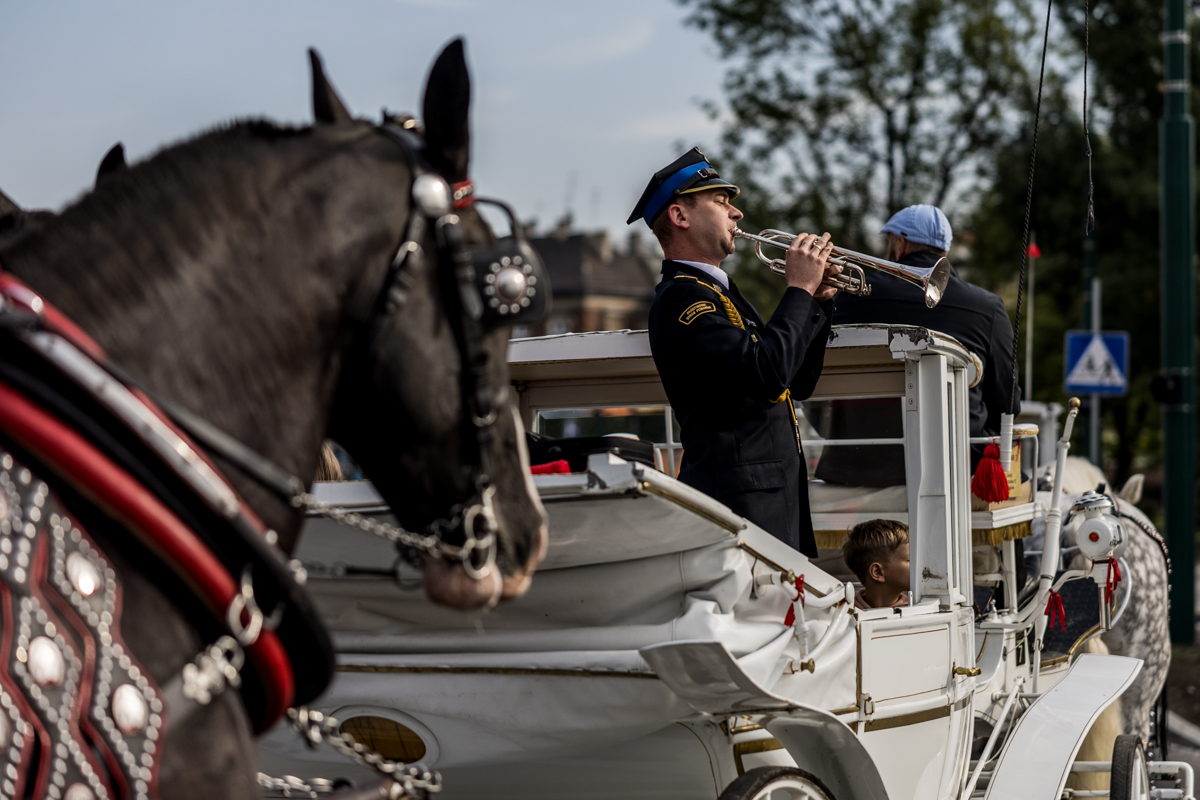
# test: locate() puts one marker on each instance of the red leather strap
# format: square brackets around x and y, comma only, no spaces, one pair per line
[116,492]
[15,291]
[463,194]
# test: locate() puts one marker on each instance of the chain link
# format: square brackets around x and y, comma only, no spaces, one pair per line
[314,727]
[477,554]
[291,786]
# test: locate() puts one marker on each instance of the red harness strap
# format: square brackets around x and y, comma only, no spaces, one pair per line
[125,499]
[13,290]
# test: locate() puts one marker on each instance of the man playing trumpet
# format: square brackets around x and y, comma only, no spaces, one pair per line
[731,377]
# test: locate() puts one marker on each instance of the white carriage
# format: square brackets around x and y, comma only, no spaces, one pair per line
[651,656]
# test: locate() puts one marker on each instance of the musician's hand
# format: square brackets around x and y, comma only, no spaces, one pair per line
[806,261]
[826,292]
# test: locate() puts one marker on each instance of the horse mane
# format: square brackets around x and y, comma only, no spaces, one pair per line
[169,202]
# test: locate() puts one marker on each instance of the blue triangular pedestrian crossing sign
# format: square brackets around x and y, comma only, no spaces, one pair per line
[1097,363]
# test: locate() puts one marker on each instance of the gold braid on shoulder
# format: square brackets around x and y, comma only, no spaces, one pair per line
[736,318]
[730,309]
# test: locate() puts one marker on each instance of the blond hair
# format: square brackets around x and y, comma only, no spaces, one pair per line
[872,541]
[328,468]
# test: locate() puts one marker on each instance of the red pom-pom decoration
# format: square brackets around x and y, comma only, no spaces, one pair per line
[990,483]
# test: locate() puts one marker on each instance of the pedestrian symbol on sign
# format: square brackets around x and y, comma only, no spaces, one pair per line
[1097,363]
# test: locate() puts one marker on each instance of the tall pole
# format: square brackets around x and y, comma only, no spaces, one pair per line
[1033,252]
[1094,414]
[1177,147]
[1089,317]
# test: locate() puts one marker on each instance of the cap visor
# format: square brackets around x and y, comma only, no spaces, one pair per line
[713,183]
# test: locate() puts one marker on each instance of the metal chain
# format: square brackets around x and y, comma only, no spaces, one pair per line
[415,779]
[291,786]
[477,554]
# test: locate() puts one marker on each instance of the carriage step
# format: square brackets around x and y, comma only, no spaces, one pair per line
[1179,770]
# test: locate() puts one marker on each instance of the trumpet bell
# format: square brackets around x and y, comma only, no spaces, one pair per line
[935,284]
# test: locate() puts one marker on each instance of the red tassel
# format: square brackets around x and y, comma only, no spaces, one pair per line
[1114,577]
[559,467]
[790,619]
[990,483]
[1055,610]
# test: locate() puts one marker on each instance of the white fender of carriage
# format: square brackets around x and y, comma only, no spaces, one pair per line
[712,682]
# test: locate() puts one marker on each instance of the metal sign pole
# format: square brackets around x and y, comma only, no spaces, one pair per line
[1176,164]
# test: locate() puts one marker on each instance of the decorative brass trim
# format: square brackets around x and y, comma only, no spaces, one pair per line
[757,746]
[744,728]
[846,710]
[991,537]
[773,565]
[567,673]
[652,489]
[1054,662]
[858,665]
[917,717]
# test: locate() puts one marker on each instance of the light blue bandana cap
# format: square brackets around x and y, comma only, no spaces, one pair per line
[921,224]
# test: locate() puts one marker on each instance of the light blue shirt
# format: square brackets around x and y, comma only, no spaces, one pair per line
[708,269]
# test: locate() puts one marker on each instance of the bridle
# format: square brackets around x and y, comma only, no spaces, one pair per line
[503,284]
[493,287]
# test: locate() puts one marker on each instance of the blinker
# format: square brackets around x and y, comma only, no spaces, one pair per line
[510,279]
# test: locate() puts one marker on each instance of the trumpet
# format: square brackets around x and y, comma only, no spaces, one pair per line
[853,279]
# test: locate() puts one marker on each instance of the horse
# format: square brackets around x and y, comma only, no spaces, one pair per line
[1142,629]
[236,277]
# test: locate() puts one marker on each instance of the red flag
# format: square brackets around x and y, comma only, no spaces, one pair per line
[1033,251]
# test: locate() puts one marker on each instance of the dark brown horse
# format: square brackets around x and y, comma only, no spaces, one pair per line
[228,275]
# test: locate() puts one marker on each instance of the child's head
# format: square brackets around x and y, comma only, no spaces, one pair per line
[877,552]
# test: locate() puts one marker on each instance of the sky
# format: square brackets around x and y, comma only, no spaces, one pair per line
[575,103]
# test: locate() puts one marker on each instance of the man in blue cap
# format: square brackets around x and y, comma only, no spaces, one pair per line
[918,236]
[730,376]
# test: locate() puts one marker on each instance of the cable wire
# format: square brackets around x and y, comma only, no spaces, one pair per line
[1037,114]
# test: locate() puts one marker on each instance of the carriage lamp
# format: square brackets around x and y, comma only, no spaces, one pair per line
[1101,536]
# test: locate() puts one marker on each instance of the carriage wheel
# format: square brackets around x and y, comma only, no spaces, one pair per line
[776,783]
[1130,775]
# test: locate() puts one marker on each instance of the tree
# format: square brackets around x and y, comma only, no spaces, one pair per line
[843,111]
[1125,70]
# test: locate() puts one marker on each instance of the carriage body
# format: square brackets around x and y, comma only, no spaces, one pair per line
[654,655]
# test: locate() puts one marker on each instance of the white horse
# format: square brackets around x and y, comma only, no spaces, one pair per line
[1142,630]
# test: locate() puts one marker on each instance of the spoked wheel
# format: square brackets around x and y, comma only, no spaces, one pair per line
[776,783]
[1130,775]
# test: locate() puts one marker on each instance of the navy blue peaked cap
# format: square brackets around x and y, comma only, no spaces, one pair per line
[689,173]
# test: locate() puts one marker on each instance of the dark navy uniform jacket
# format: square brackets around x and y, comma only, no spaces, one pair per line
[727,384]
[974,316]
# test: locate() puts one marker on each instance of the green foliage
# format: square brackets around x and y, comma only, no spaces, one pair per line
[844,112]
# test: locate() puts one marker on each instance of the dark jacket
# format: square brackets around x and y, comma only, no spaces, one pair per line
[974,316]
[725,382]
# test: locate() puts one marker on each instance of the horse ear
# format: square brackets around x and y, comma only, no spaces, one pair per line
[7,205]
[327,106]
[447,101]
[112,163]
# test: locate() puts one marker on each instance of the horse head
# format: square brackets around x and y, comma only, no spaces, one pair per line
[404,408]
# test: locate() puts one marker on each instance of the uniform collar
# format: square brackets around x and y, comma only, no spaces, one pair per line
[716,273]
